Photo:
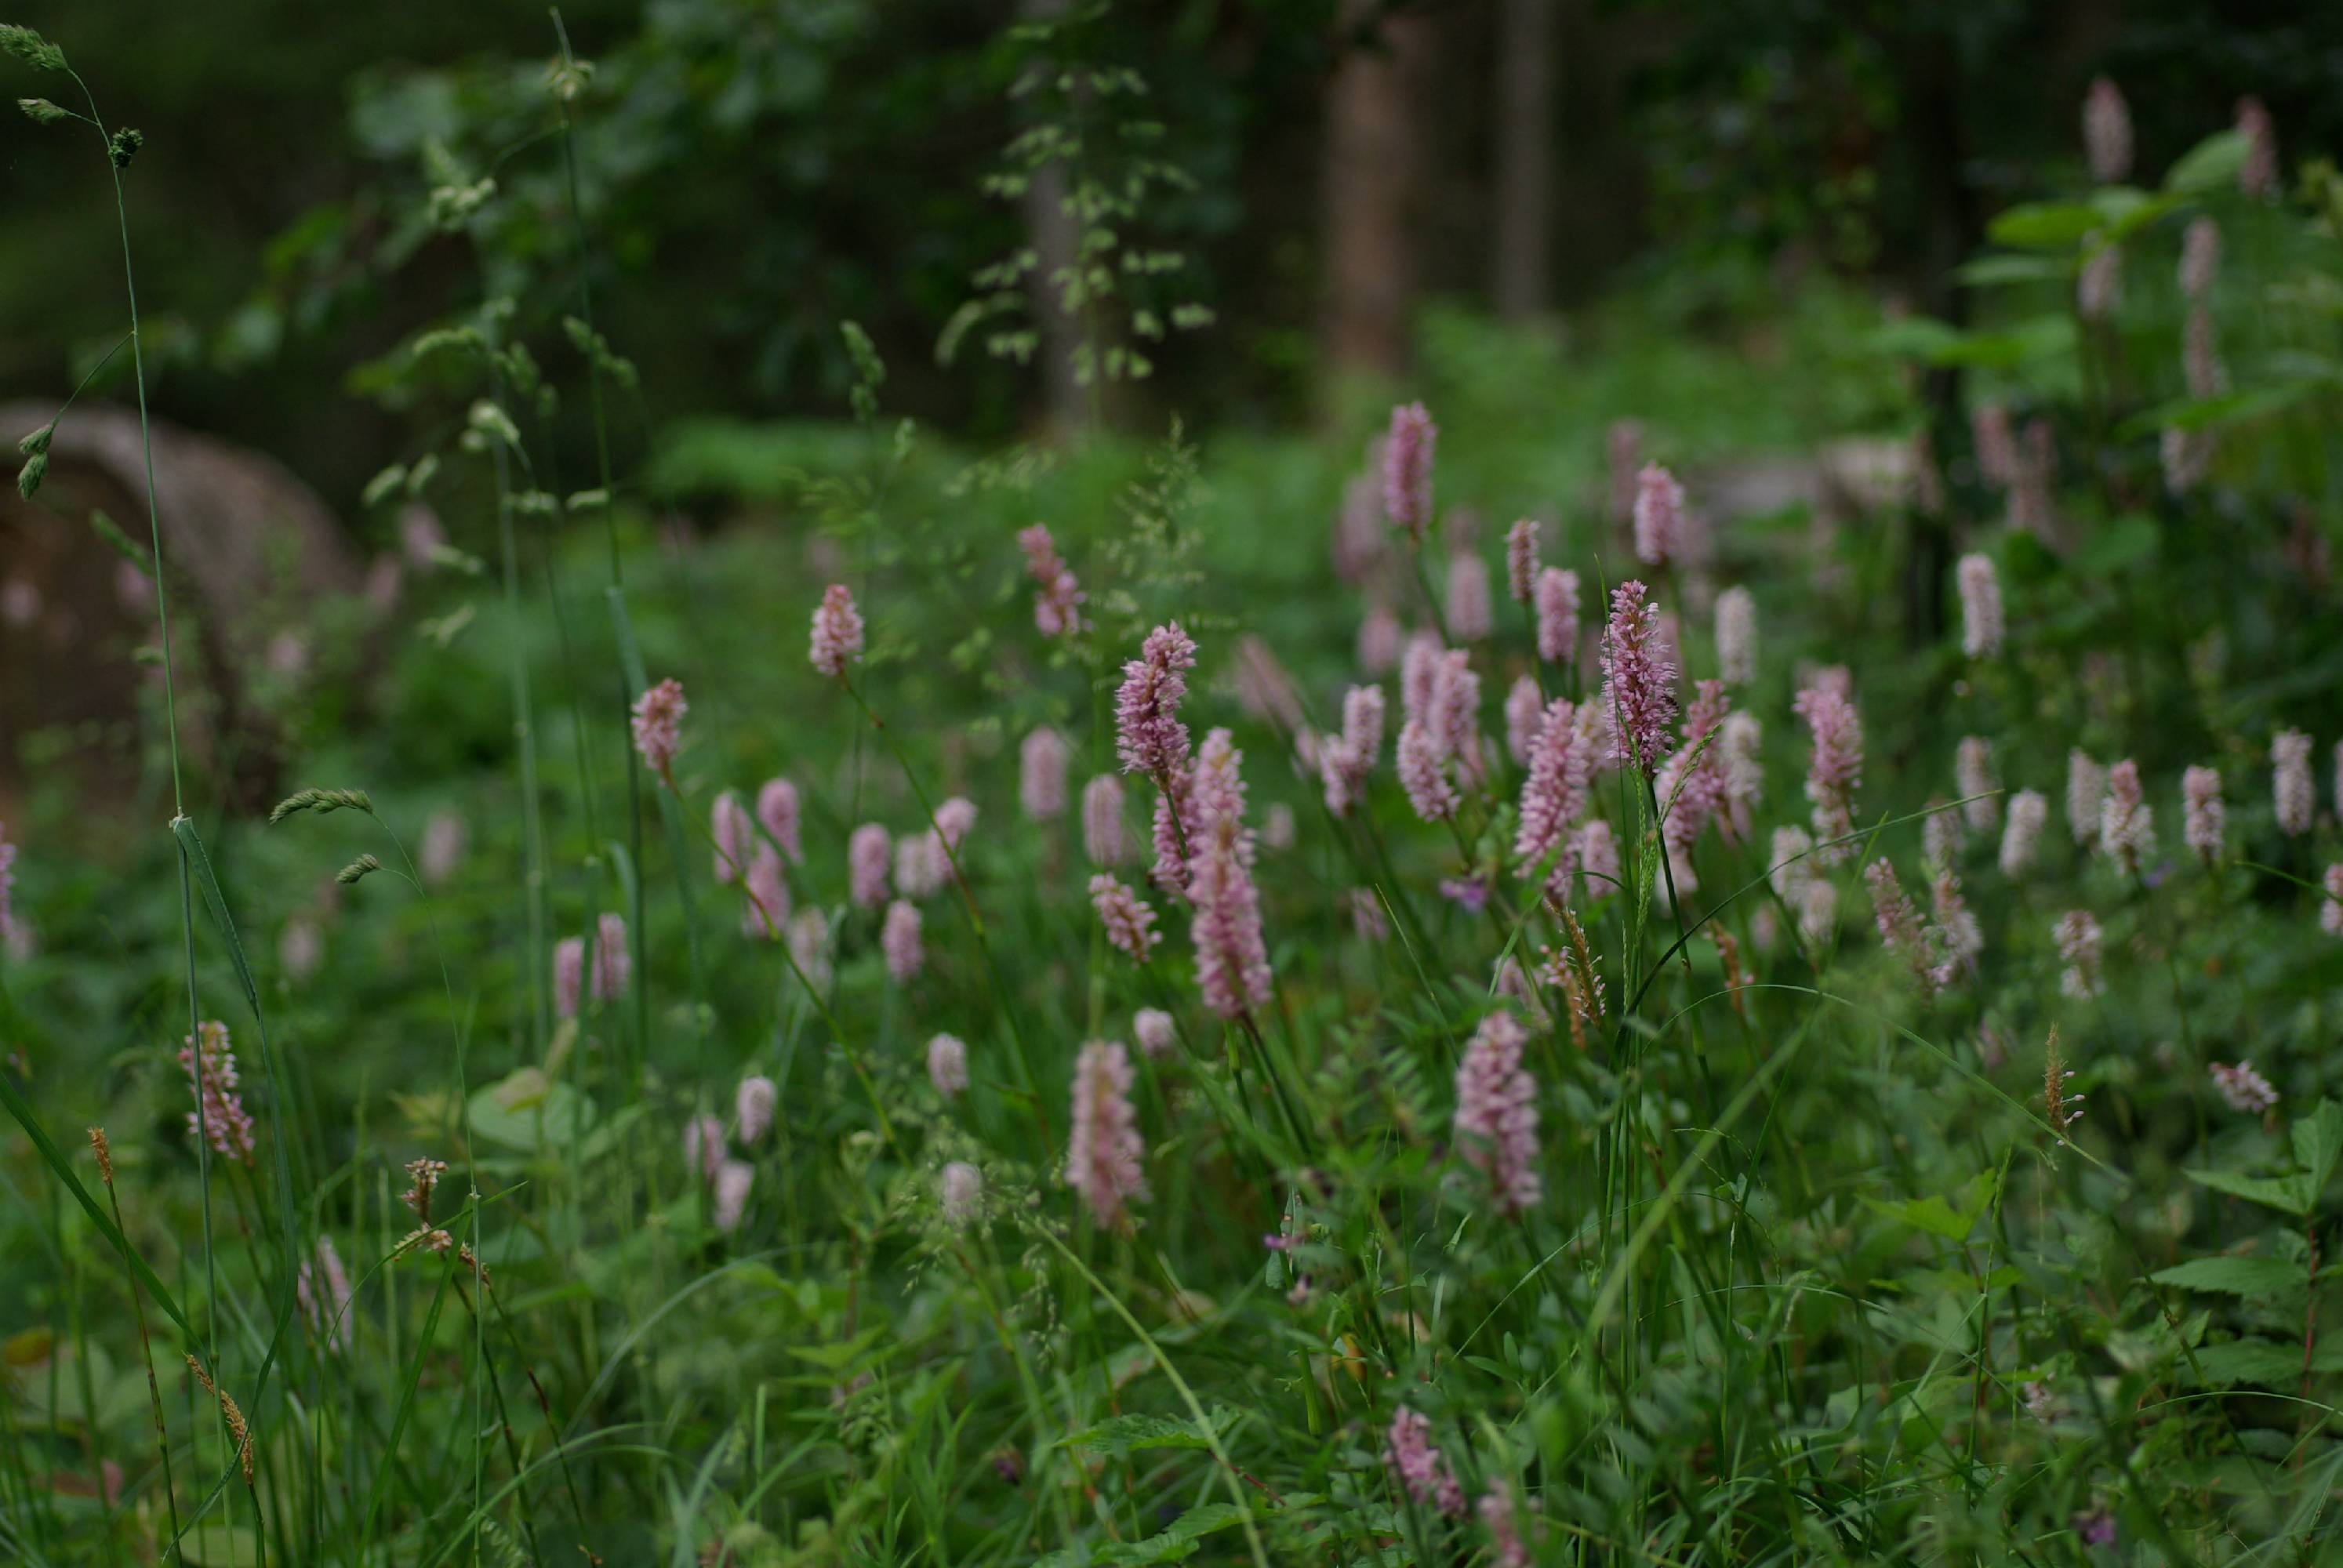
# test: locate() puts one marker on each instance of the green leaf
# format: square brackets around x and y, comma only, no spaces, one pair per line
[1122,1433]
[2120,546]
[2283,1192]
[2210,163]
[1172,1545]
[2317,1144]
[2255,1279]
[1992,271]
[525,1112]
[2251,1360]
[2044,225]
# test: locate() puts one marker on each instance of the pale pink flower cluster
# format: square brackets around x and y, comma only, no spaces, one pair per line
[1441,695]
[1639,682]
[2126,822]
[2098,286]
[1996,444]
[766,906]
[1981,621]
[1900,929]
[1471,614]
[809,938]
[2331,908]
[733,1179]
[323,1288]
[1429,1478]
[568,975]
[1694,786]
[867,850]
[1497,1113]
[442,850]
[2107,132]
[1972,777]
[1102,1160]
[2257,176]
[1407,471]
[2021,835]
[1524,712]
[1151,740]
[752,1107]
[614,961]
[1356,543]
[703,1146]
[1130,923]
[1737,636]
[1042,760]
[1379,641]
[729,825]
[960,1190]
[1345,760]
[2242,1088]
[1659,517]
[1231,956]
[2200,356]
[2201,257]
[657,722]
[777,808]
[1506,1547]
[2086,786]
[1555,595]
[1057,597]
[1102,834]
[2186,457]
[1835,771]
[2079,938]
[219,1116]
[1158,1035]
[948,1065]
[1521,559]
[2292,790]
[2205,822]
[837,639]
[898,941]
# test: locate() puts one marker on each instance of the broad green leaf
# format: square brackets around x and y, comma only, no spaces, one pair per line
[1930,1213]
[2211,163]
[2317,1144]
[2120,546]
[2042,337]
[2255,1279]
[1121,1433]
[2281,1192]
[2044,225]
[524,1112]
[1172,1545]
[1992,271]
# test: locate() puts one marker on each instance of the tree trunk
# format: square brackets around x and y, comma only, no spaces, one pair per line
[1050,228]
[1373,162]
[1522,284]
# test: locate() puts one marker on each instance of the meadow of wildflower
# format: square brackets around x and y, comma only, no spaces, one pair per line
[1426,992]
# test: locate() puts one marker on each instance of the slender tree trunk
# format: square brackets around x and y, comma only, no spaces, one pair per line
[1373,163]
[1951,231]
[1523,249]
[1050,228]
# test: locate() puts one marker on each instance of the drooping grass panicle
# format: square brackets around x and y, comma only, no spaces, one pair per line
[320,801]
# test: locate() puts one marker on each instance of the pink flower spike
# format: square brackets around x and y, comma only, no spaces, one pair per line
[1496,1114]
[752,1107]
[219,1117]
[1407,471]
[1103,840]
[837,639]
[2330,907]
[1103,1160]
[729,825]
[2205,821]
[1130,923]
[868,851]
[1042,760]
[2242,1088]
[2292,790]
[1521,559]
[703,1146]
[658,723]
[731,1182]
[948,1065]
[1659,517]
[1149,736]
[767,905]
[1834,771]
[1556,595]
[614,962]
[899,940]
[568,975]
[2107,132]
[1057,597]
[777,808]
[2126,822]
[1639,695]
[1469,612]
[1429,1478]
[959,1190]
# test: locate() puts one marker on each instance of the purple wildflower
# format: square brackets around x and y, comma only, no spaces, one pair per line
[1638,682]
[1497,1113]
[1103,1160]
